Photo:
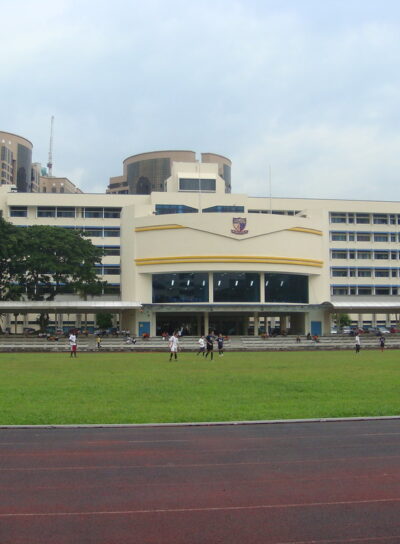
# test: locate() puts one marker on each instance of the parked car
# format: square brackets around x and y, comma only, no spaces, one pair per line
[383,330]
[347,330]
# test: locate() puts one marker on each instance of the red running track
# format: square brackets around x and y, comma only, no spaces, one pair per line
[323,483]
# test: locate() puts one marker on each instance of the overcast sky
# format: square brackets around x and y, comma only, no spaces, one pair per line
[310,87]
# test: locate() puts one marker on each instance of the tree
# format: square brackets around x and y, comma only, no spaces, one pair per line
[40,262]
[56,258]
[10,260]
[344,320]
[104,320]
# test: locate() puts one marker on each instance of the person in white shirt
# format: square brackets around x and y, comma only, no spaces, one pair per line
[173,346]
[358,344]
[202,346]
[72,343]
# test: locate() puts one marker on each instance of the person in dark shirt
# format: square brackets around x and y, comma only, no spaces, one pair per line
[220,343]
[210,344]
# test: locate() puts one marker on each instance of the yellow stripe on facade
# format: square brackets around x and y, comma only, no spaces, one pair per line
[159,227]
[230,259]
[309,231]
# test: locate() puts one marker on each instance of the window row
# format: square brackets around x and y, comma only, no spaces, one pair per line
[365,218]
[364,290]
[365,272]
[161,209]
[343,236]
[67,211]
[108,270]
[229,287]
[277,212]
[364,254]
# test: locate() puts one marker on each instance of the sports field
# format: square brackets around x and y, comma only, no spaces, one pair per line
[146,388]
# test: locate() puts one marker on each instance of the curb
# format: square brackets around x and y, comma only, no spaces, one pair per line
[203,423]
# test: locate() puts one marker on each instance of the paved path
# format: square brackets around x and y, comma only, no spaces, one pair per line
[249,484]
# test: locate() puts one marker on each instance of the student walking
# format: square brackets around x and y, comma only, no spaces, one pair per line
[210,344]
[73,344]
[173,346]
[202,346]
[358,343]
[382,343]
[220,343]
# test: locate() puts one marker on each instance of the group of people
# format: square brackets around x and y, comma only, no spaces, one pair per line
[358,343]
[206,345]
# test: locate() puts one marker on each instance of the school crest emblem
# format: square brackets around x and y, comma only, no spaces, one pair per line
[239,225]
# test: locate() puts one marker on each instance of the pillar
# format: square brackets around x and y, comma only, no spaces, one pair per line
[206,323]
[256,323]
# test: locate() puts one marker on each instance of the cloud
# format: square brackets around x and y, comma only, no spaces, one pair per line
[308,87]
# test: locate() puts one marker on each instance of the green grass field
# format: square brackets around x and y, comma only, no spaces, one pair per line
[145,388]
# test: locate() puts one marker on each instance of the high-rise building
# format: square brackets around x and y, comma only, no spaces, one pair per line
[16,161]
[147,172]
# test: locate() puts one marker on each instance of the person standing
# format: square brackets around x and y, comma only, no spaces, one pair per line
[220,343]
[73,343]
[358,343]
[202,345]
[98,341]
[173,346]
[382,342]
[210,344]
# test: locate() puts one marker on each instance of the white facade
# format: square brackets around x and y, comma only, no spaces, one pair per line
[182,258]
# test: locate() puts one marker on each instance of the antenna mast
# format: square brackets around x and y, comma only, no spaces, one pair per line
[50,161]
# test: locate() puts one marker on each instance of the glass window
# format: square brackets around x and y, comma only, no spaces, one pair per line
[364,290]
[382,272]
[395,291]
[180,287]
[111,232]
[381,237]
[351,236]
[111,289]
[286,287]
[339,254]
[350,217]
[362,218]
[352,290]
[236,287]
[112,213]
[192,184]
[364,254]
[382,290]
[380,219]
[93,232]
[393,255]
[393,237]
[162,209]
[112,270]
[394,272]
[381,255]
[339,236]
[339,291]
[363,237]
[392,219]
[111,250]
[18,211]
[224,209]
[66,212]
[352,272]
[339,272]
[364,272]
[338,217]
[93,213]
[44,211]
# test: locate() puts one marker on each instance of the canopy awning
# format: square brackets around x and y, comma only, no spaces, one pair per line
[67,306]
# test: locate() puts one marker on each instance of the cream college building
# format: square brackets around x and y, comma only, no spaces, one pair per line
[196,257]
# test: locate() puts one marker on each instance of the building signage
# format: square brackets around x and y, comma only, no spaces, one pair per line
[239,224]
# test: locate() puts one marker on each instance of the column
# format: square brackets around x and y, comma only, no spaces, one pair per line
[360,321]
[206,323]
[262,287]
[256,323]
